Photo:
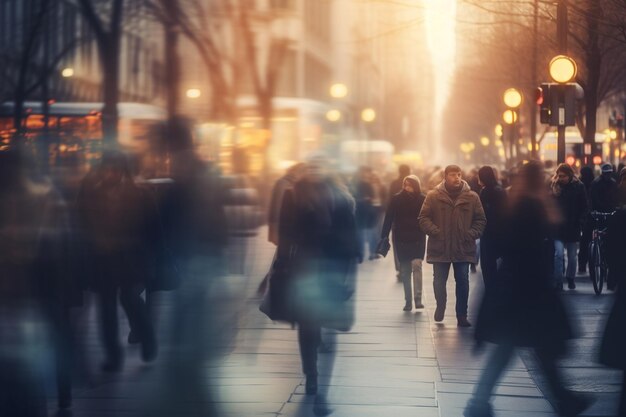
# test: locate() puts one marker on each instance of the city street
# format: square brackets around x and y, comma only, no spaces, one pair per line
[392,363]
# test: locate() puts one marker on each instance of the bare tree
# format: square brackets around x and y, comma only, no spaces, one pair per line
[106,24]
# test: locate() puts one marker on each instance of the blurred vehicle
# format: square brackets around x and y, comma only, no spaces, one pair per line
[75,129]
[242,206]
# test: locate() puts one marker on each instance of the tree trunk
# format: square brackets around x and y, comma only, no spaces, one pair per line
[172,71]
[110,93]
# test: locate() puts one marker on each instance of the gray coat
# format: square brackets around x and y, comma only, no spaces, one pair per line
[452,226]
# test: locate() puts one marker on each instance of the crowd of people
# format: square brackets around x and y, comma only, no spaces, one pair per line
[124,239]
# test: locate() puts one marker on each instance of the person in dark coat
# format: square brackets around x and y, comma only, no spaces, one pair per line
[522,309]
[621,189]
[572,200]
[116,218]
[409,242]
[586,177]
[494,201]
[613,345]
[319,247]
[364,195]
[394,188]
[604,191]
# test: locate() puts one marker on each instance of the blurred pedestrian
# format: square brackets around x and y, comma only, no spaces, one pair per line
[453,218]
[409,242]
[364,195]
[613,343]
[319,248]
[37,289]
[394,188]
[116,218]
[522,309]
[286,182]
[604,191]
[586,177]
[378,208]
[572,200]
[494,201]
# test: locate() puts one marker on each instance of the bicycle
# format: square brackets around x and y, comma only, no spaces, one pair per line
[598,262]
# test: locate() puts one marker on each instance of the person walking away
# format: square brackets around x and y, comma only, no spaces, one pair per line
[522,309]
[453,218]
[494,201]
[409,242]
[363,192]
[586,177]
[394,188]
[572,200]
[286,182]
[378,208]
[604,191]
[116,217]
[318,246]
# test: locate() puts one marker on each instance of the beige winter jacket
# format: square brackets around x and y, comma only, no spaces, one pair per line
[452,227]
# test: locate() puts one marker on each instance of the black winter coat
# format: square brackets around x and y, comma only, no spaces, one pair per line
[408,239]
[572,201]
[521,307]
[493,200]
[603,194]
[316,256]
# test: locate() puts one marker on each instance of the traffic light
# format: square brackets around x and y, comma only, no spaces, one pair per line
[542,95]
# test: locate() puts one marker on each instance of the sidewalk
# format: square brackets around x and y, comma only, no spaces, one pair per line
[392,363]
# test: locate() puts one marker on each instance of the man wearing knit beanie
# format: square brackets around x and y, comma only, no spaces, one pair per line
[453,218]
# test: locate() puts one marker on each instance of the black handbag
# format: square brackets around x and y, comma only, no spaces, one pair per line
[275,303]
[383,246]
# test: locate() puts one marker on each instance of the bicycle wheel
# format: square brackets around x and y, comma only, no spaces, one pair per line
[596,270]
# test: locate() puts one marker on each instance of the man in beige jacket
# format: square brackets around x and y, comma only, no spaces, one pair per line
[453,218]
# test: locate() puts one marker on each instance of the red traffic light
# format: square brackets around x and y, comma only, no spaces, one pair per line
[539,95]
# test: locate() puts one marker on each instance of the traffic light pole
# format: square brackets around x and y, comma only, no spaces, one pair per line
[561,29]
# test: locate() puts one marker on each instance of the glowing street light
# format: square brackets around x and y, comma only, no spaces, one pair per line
[509,117]
[333,115]
[563,69]
[194,93]
[512,98]
[67,72]
[368,115]
[499,131]
[484,141]
[338,90]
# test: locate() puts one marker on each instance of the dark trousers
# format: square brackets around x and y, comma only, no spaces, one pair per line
[498,362]
[585,238]
[461,276]
[488,257]
[309,339]
[136,311]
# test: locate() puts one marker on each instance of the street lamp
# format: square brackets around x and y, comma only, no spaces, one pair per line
[338,90]
[194,93]
[67,72]
[512,98]
[368,115]
[485,141]
[563,70]
[333,115]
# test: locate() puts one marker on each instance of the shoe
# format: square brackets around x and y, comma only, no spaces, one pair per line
[559,286]
[133,338]
[571,284]
[149,350]
[478,409]
[311,385]
[461,321]
[582,269]
[418,305]
[439,313]
[408,306]
[320,406]
[573,404]
[473,268]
